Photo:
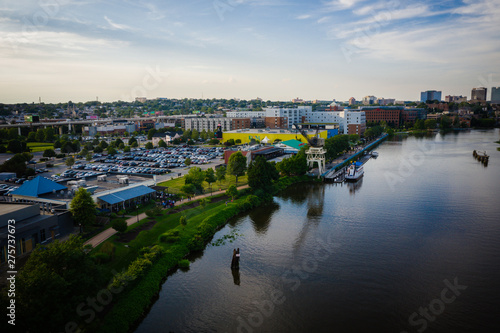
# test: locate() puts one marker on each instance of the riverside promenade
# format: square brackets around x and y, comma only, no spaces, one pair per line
[331,171]
[101,237]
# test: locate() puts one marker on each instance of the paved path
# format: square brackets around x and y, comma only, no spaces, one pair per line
[101,237]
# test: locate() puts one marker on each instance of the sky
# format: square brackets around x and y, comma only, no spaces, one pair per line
[83,50]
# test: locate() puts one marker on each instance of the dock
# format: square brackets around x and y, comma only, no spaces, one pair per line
[337,172]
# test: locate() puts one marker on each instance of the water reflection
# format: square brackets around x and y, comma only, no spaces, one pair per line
[316,200]
[356,186]
[236,276]
[262,216]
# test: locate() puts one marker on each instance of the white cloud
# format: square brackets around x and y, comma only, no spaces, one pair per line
[337,5]
[303,17]
[117,26]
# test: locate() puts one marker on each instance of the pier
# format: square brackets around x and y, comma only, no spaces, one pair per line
[337,172]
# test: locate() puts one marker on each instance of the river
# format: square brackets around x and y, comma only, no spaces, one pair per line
[414,246]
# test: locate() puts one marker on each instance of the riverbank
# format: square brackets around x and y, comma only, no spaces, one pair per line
[202,223]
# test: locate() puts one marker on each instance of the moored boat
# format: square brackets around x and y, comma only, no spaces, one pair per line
[354,172]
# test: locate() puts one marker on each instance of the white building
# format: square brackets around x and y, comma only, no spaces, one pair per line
[208,124]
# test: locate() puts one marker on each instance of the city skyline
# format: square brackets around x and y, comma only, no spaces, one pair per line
[63,50]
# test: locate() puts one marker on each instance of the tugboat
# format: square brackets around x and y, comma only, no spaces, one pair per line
[354,172]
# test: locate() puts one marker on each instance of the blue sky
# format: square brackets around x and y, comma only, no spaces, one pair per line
[63,50]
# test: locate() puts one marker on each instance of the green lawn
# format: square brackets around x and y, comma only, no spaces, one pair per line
[174,185]
[39,146]
[124,255]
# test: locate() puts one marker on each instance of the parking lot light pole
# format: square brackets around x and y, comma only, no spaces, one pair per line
[137,209]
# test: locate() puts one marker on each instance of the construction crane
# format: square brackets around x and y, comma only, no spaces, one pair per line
[313,141]
[316,153]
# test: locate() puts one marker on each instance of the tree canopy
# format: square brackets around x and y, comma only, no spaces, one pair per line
[195,177]
[237,165]
[82,207]
[262,174]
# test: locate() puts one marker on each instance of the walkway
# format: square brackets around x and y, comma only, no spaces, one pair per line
[101,237]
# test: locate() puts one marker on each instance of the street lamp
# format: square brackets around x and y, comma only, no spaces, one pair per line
[137,210]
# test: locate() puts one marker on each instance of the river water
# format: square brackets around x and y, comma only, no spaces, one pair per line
[414,246]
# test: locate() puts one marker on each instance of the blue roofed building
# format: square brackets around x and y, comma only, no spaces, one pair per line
[124,198]
[38,186]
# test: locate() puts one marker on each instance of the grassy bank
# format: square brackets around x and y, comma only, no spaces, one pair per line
[175,243]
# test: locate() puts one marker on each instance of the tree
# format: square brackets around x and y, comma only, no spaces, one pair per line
[103,144]
[196,177]
[134,144]
[111,151]
[445,122]
[220,173]
[88,157]
[210,177]
[16,164]
[195,135]
[162,144]
[237,165]
[338,144]
[66,274]
[132,140]
[82,207]
[232,191]
[151,132]
[98,150]
[49,153]
[189,189]
[262,174]
[40,135]
[49,134]
[187,161]
[31,137]
[294,165]
[119,225]
[430,123]
[149,145]
[69,161]
[126,149]
[15,146]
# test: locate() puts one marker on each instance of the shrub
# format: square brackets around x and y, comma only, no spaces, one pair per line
[184,263]
[119,225]
[101,258]
[121,212]
[108,248]
[49,165]
[168,238]
[196,243]
[113,215]
[150,213]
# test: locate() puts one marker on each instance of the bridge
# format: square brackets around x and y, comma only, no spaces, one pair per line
[70,123]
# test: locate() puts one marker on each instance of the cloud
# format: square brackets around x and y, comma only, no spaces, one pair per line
[337,5]
[117,26]
[303,17]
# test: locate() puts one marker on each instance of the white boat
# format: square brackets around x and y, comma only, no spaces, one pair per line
[354,172]
[374,154]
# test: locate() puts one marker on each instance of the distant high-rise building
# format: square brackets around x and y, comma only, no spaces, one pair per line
[369,100]
[455,99]
[479,94]
[352,101]
[495,95]
[430,95]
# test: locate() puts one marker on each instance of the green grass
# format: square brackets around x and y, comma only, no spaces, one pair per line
[39,146]
[174,185]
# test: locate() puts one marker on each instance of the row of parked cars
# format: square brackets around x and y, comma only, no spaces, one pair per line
[154,161]
[7,189]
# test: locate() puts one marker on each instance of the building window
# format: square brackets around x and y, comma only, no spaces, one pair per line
[42,235]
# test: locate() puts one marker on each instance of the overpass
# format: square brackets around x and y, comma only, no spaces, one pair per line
[70,123]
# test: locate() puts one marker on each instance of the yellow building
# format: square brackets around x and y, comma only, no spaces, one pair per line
[268,135]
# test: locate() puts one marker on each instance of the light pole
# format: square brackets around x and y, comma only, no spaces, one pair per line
[137,209]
